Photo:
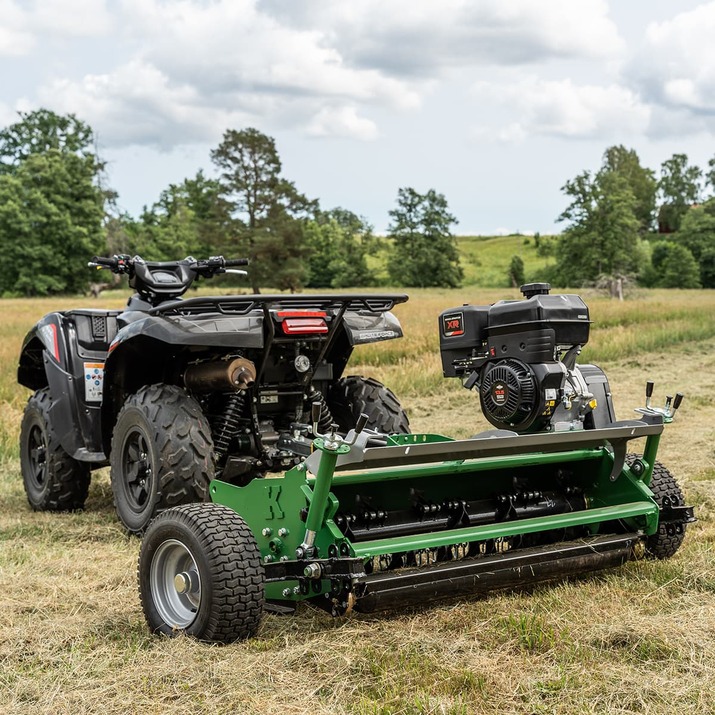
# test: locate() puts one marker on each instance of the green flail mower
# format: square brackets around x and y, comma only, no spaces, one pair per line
[370,522]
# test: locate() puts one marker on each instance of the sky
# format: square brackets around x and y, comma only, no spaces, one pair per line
[493,103]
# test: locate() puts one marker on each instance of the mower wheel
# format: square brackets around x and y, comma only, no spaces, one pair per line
[162,454]
[200,573]
[354,395]
[667,540]
[53,480]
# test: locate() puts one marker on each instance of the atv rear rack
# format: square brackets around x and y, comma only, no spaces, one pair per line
[243,304]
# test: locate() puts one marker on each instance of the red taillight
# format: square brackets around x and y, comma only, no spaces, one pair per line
[304,326]
[303,322]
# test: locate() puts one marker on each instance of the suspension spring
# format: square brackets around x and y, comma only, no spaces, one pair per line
[227,424]
[326,418]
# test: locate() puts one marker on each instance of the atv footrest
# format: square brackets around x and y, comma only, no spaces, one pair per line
[520,567]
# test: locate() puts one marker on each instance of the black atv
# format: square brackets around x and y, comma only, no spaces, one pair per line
[173,392]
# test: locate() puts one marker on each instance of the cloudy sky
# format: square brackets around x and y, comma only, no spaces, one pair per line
[495,103]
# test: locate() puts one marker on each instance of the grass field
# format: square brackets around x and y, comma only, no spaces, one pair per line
[640,639]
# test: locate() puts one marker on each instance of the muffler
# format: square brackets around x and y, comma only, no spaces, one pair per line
[237,374]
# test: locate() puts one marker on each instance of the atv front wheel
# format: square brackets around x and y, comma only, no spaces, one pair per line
[162,454]
[354,395]
[53,480]
[200,573]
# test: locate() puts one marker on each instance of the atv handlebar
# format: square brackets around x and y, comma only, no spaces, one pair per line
[205,267]
[227,262]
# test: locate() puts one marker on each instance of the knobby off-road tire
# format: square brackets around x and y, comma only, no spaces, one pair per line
[53,480]
[354,395]
[667,540]
[162,455]
[200,573]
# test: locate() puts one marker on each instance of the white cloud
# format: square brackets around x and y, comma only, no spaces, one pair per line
[342,121]
[420,37]
[24,24]
[675,69]
[563,109]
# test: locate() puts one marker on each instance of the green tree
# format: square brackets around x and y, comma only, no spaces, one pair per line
[263,204]
[190,218]
[50,223]
[640,180]
[52,204]
[603,236]
[710,175]
[516,272]
[424,251]
[340,242]
[674,266]
[679,188]
[697,229]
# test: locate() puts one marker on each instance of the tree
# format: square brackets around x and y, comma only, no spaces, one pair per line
[51,204]
[424,252]
[674,266]
[679,188]
[50,223]
[516,272]
[697,229]
[640,180]
[190,218]
[263,203]
[710,175]
[41,131]
[339,242]
[603,236]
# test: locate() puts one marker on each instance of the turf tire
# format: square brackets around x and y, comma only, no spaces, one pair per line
[53,480]
[225,602]
[354,395]
[667,540]
[162,455]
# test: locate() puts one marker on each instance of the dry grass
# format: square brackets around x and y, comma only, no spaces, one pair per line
[637,640]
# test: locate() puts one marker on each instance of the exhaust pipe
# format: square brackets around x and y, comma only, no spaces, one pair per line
[237,374]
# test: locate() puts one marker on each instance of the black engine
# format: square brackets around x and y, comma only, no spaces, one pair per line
[521,356]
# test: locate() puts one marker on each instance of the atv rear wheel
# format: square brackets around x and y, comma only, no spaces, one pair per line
[200,573]
[53,480]
[354,395]
[162,454]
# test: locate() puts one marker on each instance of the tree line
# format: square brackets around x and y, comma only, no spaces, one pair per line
[56,211]
[623,223]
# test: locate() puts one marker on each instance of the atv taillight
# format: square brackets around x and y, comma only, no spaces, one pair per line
[302,322]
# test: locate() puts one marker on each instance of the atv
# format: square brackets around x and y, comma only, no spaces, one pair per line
[175,392]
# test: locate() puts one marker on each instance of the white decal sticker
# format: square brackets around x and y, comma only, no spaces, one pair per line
[93,381]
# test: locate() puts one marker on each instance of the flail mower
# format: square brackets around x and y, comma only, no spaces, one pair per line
[370,521]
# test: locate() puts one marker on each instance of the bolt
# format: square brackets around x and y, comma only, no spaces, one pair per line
[283,531]
[267,531]
[296,590]
[285,558]
[267,559]
[287,592]
[313,571]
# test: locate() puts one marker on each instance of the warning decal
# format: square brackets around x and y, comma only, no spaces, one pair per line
[93,381]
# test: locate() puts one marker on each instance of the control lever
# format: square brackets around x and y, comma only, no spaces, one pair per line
[669,408]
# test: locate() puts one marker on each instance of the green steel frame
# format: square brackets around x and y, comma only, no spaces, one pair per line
[281,511]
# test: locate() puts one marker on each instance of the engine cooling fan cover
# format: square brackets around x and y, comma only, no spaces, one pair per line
[508,393]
